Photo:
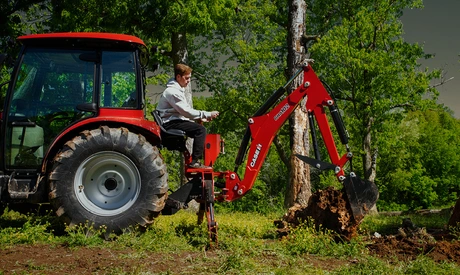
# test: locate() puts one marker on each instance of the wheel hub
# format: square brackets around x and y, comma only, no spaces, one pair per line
[107,183]
[110,184]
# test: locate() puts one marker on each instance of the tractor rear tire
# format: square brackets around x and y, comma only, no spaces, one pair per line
[108,177]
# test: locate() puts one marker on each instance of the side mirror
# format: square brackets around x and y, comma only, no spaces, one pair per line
[87,107]
[144,57]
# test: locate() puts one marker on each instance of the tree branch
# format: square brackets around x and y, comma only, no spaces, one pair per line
[281,152]
[443,80]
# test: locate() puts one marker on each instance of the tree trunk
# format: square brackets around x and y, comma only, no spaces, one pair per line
[455,218]
[370,157]
[369,160]
[299,188]
[180,55]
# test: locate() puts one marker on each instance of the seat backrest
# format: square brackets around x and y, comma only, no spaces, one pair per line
[157,118]
[173,139]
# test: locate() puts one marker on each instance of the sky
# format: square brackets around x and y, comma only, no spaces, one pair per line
[437,28]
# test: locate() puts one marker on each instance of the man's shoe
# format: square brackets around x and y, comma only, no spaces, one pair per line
[198,165]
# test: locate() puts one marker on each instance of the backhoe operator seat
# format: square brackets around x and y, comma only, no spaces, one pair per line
[172,139]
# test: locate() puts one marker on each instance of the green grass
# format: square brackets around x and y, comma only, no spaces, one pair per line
[248,244]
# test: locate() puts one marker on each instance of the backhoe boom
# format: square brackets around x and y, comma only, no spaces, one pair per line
[264,125]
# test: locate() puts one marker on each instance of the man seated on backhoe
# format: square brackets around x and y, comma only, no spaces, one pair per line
[176,113]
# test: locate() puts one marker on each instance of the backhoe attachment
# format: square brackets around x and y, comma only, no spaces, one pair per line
[266,122]
[361,194]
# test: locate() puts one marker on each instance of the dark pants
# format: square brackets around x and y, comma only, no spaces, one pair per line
[192,130]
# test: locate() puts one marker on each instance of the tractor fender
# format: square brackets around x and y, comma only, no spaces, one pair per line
[149,129]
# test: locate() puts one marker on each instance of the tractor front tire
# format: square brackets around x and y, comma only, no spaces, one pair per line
[108,177]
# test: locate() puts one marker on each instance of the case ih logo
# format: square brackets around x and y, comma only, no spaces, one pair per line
[281,112]
[256,155]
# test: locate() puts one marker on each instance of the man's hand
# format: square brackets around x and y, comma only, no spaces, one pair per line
[214,114]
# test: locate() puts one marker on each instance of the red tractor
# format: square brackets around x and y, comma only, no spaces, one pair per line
[74,133]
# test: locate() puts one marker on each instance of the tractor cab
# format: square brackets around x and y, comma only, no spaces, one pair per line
[59,82]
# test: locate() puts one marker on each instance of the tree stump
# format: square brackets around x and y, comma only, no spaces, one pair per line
[329,209]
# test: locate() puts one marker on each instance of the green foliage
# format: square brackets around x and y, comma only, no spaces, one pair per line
[420,165]
[173,160]
[425,265]
[30,233]
[155,239]
[17,228]
[17,18]
[153,21]
[84,235]
[249,225]
[376,79]
[321,180]
[257,200]
[455,231]
[124,84]
[169,233]
[368,265]
[244,62]
[372,70]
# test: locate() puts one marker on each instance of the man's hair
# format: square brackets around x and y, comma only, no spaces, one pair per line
[182,69]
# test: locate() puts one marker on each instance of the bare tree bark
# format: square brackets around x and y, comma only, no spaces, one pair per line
[299,188]
[370,160]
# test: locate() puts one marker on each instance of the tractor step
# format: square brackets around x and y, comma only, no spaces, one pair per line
[20,188]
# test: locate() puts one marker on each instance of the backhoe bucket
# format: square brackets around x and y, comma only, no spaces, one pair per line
[362,195]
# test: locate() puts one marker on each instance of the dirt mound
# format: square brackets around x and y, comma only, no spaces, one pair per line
[328,209]
[410,243]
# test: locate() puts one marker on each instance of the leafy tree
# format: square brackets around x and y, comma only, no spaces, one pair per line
[419,167]
[241,62]
[163,24]
[372,69]
[16,19]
